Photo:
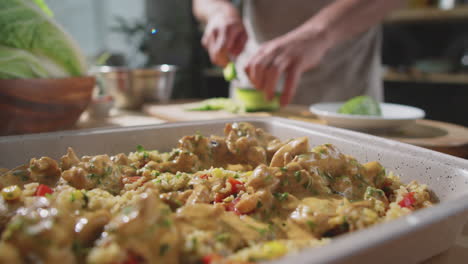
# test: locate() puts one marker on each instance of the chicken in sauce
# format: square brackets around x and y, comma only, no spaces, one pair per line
[241,198]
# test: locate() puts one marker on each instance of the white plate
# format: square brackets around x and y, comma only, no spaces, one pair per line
[393,116]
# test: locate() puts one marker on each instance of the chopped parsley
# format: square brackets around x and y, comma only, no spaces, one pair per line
[166,223]
[281,196]
[163,249]
[22,174]
[311,224]
[359,177]
[140,148]
[325,175]
[108,171]
[223,237]
[259,205]
[127,210]
[298,176]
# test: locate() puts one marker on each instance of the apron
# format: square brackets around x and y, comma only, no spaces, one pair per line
[350,69]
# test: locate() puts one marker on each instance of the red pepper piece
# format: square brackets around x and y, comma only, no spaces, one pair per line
[231,206]
[131,259]
[204,176]
[211,259]
[42,190]
[408,201]
[236,186]
[219,197]
[131,179]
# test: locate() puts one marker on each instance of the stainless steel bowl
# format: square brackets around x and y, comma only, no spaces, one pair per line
[132,87]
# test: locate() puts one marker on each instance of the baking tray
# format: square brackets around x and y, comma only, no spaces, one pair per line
[410,239]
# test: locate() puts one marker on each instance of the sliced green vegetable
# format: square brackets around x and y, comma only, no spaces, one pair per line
[361,105]
[246,100]
[216,104]
[253,100]
[230,72]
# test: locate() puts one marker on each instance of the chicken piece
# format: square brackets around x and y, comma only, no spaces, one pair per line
[242,129]
[9,254]
[211,151]
[256,155]
[7,211]
[301,183]
[176,199]
[201,194]
[243,138]
[222,157]
[78,178]
[180,161]
[70,159]
[199,146]
[313,214]
[264,177]
[143,228]
[41,222]
[342,173]
[287,152]
[45,170]
[248,203]
[200,216]
[17,176]
[352,216]
[273,145]
[246,227]
[89,227]
[121,159]
[203,224]
[94,172]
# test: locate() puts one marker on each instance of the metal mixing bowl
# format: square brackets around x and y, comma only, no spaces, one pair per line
[132,87]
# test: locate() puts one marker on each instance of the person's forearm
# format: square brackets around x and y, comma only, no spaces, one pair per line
[345,19]
[204,9]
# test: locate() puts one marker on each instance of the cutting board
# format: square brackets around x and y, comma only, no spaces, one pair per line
[176,112]
[440,136]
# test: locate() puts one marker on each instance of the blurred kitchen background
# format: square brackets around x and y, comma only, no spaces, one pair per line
[425,48]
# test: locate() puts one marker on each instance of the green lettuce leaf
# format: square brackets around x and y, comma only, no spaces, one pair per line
[24,25]
[16,63]
[44,7]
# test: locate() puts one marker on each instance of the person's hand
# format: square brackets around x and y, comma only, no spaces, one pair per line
[288,56]
[225,35]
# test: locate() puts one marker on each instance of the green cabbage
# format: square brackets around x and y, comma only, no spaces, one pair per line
[26,27]
[20,64]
